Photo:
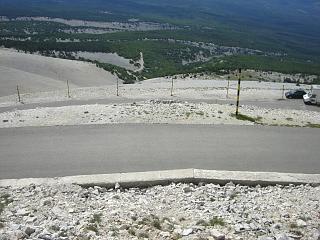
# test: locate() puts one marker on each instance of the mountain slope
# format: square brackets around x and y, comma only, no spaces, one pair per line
[37,73]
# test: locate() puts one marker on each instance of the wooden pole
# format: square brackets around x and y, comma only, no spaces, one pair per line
[238,94]
[228,88]
[282,91]
[117,87]
[19,98]
[68,89]
[171,87]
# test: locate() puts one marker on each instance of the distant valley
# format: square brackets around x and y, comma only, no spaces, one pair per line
[175,37]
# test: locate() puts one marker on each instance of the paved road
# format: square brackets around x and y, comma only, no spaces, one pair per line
[283,104]
[62,151]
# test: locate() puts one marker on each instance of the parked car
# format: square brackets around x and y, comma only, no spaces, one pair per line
[296,93]
[312,97]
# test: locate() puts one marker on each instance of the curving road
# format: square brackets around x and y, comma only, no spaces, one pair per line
[296,104]
[76,150]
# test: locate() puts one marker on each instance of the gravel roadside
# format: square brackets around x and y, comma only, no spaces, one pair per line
[158,111]
[176,211]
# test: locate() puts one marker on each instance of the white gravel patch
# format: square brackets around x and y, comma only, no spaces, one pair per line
[176,211]
[133,26]
[155,111]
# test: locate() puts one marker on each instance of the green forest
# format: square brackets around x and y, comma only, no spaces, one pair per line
[284,41]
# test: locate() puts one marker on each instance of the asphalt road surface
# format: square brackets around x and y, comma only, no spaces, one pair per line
[296,104]
[96,149]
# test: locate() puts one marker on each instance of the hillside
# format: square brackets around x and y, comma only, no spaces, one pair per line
[181,36]
[37,73]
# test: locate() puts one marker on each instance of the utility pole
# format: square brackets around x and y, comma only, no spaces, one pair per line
[238,94]
[117,87]
[228,88]
[68,89]
[19,98]
[171,86]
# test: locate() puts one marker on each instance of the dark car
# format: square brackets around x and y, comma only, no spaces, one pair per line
[296,93]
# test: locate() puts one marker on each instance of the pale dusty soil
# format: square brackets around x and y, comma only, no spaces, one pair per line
[160,88]
[111,58]
[34,73]
[136,26]
[155,111]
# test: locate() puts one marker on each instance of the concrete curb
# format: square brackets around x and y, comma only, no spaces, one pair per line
[147,179]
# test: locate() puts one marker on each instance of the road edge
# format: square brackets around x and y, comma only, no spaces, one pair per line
[152,178]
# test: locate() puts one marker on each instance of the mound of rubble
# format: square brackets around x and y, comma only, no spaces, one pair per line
[176,211]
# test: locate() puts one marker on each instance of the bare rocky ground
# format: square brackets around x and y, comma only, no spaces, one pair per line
[160,88]
[157,111]
[176,211]
[35,73]
[128,26]
[150,102]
